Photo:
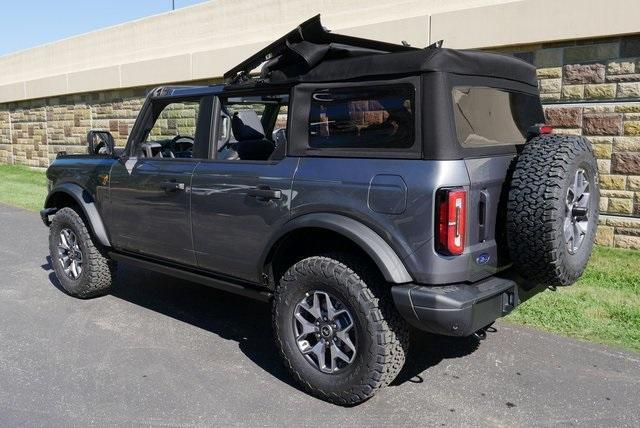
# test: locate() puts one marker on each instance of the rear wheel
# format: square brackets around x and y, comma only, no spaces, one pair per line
[338,332]
[81,266]
[552,212]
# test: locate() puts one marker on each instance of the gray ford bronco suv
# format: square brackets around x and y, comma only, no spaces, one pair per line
[360,187]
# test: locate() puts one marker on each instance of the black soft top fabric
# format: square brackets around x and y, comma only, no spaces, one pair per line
[310,53]
[464,62]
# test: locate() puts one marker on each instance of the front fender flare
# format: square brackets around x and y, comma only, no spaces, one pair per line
[84,199]
[378,249]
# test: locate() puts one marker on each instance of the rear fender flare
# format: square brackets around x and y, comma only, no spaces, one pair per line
[378,249]
[86,202]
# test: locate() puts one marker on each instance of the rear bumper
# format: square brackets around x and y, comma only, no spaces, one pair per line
[456,309]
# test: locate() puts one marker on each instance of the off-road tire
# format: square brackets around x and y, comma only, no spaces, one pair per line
[536,209]
[383,334]
[98,270]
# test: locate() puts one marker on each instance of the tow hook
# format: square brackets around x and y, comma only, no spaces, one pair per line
[482,333]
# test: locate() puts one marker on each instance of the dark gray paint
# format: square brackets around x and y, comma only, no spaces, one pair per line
[144,217]
[387,194]
[487,177]
[227,231]
[342,185]
[230,227]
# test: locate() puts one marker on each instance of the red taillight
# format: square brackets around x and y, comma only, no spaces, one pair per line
[451,212]
[546,129]
[537,130]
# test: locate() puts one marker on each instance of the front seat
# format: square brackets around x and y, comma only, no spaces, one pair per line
[248,131]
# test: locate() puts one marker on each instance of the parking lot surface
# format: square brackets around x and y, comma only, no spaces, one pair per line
[159,351]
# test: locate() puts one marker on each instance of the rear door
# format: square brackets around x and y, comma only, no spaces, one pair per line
[236,207]
[237,204]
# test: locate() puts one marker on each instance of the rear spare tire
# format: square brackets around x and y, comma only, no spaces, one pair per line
[552,209]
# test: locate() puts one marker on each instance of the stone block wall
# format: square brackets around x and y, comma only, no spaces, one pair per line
[33,132]
[588,87]
[592,88]
[176,119]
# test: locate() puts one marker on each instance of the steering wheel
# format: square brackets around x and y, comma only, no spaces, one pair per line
[181,139]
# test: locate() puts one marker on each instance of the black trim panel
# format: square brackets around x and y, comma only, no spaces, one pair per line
[229,285]
[85,201]
[456,309]
[378,249]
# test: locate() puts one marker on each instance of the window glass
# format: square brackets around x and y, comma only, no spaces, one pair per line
[235,105]
[253,128]
[362,117]
[173,133]
[486,117]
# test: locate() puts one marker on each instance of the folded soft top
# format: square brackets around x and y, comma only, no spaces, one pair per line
[310,53]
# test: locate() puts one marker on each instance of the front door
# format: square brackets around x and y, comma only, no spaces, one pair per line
[150,188]
[150,208]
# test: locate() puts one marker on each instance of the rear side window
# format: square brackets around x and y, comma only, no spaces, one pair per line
[487,117]
[366,117]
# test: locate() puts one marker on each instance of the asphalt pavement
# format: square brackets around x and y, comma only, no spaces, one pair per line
[159,351]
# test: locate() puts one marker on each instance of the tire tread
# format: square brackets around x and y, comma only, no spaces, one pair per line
[100,268]
[388,330]
[534,203]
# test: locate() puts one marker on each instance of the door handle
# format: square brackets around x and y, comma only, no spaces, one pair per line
[265,193]
[172,186]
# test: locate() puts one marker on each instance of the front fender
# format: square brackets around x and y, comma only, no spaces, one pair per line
[84,199]
[368,240]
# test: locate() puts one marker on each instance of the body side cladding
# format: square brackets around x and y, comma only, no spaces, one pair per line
[225,284]
[369,241]
[84,199]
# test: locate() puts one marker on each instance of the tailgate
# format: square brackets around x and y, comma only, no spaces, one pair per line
[486,208]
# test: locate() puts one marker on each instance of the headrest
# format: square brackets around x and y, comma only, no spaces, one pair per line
[246,125]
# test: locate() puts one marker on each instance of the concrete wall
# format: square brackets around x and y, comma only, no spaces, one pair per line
[588,64]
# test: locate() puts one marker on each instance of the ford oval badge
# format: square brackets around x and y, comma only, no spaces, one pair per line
[483,259]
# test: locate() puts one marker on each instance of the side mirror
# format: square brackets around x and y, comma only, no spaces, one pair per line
[100,143]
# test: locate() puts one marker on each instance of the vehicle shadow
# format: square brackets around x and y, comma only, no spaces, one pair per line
[248,322]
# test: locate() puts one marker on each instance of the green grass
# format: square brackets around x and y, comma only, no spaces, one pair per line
[603,307]
[22,187]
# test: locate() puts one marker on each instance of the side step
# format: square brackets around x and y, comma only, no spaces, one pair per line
[200,278]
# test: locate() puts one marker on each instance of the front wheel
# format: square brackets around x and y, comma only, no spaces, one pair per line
[81,266]
[338,332]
